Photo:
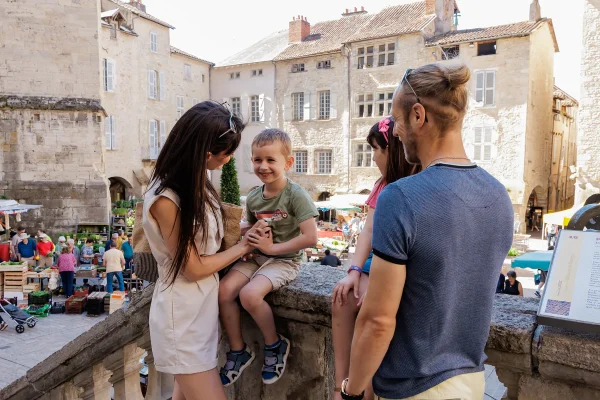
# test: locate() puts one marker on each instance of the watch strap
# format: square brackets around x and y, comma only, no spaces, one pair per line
[355,268]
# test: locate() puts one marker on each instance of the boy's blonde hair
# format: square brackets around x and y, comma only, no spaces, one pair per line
[272,135]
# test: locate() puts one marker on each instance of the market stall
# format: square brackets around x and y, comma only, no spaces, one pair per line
[534,260]
[560,218]
[8,208]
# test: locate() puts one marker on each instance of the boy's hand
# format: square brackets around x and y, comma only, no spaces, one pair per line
[261,239]
[262,226]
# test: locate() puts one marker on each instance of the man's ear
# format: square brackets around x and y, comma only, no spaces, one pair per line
[418,115]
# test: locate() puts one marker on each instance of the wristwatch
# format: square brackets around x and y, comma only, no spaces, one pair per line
[347,396]
[355,268]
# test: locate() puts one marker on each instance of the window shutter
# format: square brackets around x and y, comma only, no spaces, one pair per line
[313,105]
[488,135]
[109,75]
[113,133]
[244,105]
[163,88]
[114,74]
[152,134]
[487,152]
[477,139]
[307,103]
[163,133]
[479,88]
[287,107]
[332,106]
[247,159]
[478,135]
[151,84]
[490,85]
[261,107]
[107,133]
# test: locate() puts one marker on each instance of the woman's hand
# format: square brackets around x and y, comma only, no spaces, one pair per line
[341,289]
[261,239]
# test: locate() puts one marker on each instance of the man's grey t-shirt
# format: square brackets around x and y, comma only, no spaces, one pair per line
[452,228]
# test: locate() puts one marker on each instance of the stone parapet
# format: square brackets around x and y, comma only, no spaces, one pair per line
[534,362]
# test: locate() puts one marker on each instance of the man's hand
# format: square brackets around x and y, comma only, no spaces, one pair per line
[341,289]
[261,239]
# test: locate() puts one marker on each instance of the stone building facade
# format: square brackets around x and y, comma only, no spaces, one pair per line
[51,148]
[588,140]
[563,151]
[146,85]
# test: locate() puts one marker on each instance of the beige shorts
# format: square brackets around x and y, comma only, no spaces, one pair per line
[46,261]
[280,271]
[460,387]
[29,260]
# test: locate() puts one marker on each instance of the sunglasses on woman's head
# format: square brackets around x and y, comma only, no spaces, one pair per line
[232,127]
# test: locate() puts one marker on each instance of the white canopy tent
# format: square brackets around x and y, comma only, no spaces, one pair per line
[12,207]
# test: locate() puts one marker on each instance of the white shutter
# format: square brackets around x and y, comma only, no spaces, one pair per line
[477,141]
[487,152]
[152,134]
[490,87]
[244,104]
[313,105]
[151,84]
[287,108]
[261,108]
[306,106]
[107,133]
[162,88]
[479,86]
[109,75]
[113,133]
[247,159]
[488,134]
[332,106]
[163,133]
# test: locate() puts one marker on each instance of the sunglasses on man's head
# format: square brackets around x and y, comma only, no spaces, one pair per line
[405,79]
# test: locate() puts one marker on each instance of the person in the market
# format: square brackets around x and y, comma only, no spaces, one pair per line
[27,249]
[121,239]
[512,286]
[3,325]
[388,155]
[87,252]
[114,263]
[114,238]
[74,249]
[127,249]
[425,320]
[14,241]
[66,268]
[331,259]
[45,249]
[62,242]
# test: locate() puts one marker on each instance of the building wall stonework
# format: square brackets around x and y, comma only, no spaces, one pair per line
[312,134]
[588,140]
[50,118]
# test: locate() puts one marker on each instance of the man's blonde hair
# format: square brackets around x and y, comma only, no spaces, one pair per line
[443,89]
[273,135]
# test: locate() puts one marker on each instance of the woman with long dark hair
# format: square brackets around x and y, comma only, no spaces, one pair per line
[183,225]
[388,155]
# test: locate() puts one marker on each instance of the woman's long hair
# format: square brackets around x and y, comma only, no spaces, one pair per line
[397,166]
[181,167]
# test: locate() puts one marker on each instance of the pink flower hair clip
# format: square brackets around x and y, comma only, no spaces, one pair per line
[384,127]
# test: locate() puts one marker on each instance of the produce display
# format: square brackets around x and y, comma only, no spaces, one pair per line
[332,244]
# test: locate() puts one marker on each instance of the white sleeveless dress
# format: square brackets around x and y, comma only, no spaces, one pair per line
[184,317]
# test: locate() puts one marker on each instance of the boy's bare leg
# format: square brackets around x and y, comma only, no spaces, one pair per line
[229,311]
[253,300]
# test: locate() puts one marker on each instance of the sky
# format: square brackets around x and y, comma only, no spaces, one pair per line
[215,30]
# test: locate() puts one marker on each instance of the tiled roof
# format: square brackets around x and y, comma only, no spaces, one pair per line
[561,94]
[142,14]
[265,50]
[525,28]
[325,37]
[183,53]
[394,21]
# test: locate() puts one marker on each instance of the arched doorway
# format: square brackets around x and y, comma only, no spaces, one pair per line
[119,188]
[535,209]
[329,214]
[593,199]
[324,196]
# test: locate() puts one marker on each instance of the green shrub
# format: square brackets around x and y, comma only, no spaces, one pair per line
[230,188]
[513,252]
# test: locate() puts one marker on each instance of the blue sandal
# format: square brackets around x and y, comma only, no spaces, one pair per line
[275,360]
[236,363]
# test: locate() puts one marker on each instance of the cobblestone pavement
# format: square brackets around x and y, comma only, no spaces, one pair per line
[20,352]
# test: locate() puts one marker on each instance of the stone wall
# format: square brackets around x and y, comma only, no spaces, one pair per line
[534,362]
[588,140]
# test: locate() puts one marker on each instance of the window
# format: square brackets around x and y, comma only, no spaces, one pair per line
[254,109]
[365,105]
[253,72]
[179,106]
[236,107]
[298,68]
[202,78]
[163,133]
[324,161]
[324,104]
[486,48]
[378,55]
[485,89]
[187,71]
[384,104]
[237,75]
[482,143]
[450,52]
[257,72]
[109,131]
[301,162]
[153,139]
[153,42]
[363,155]
[109,75]
[260,72]
[152,84]
[234,75]
[298,104]
[324,64]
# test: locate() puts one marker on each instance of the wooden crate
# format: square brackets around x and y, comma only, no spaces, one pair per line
[14,281]
[31,287]
[14,268]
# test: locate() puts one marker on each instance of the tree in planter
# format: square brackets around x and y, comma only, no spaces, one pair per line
[230,188]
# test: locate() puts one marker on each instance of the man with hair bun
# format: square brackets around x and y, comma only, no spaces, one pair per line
[420,332]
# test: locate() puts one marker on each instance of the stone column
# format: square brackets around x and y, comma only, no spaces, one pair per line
[125,366]
[94,382]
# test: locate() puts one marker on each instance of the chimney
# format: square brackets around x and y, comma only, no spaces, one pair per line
[299,29]
[138,4]
[535,11]
[444,11]
[356,11]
